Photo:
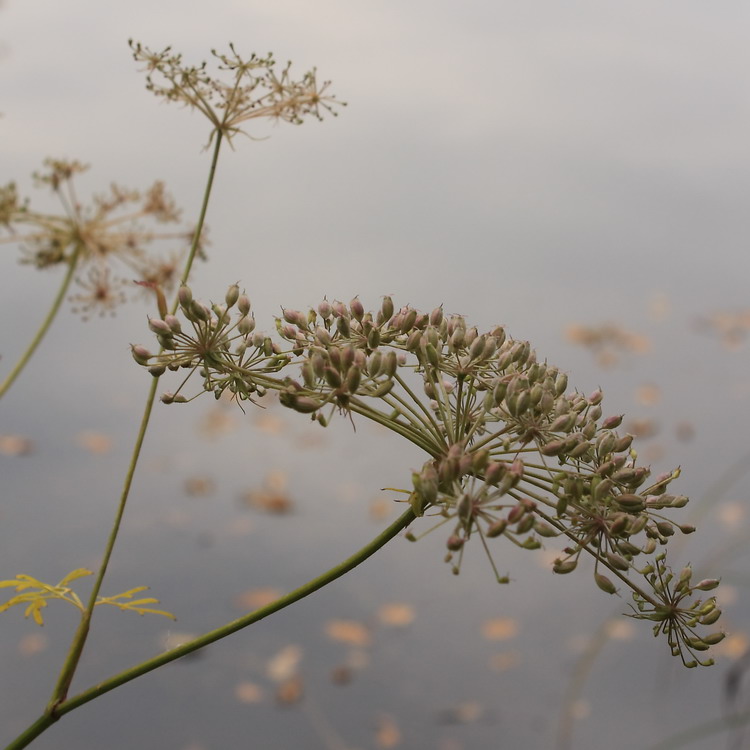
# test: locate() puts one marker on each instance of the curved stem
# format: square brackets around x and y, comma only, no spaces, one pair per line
[52,715]
[79,638]
[44,327]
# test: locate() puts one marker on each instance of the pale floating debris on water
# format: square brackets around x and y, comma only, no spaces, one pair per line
[283,664]
[731,515]
[620,630]
[348,631]
[94,442]
[608,342]
[15,445]
[217,421]
[580,709]
[380,508]
[272,497]
[290,690]
[685,431]
[32,643]
[727,595]
[500,628]
[253,599]
[462,713]
[659,306]
[733,646]
[199,486]
[396,614]
[732,328]
[504,660]
[248,692]
[648,394]
[270,424]
[642,428]
[387,735]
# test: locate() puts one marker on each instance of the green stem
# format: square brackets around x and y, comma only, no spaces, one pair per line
[44,327]
[54,713]
[79,638]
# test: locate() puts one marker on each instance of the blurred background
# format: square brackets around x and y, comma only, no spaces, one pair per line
[577,172]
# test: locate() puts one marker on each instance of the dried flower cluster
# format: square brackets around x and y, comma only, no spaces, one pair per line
[106,239]
[512,452]
[255,90]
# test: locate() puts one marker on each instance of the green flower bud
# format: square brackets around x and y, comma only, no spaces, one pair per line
[562,567]
[497,528]
[232,295]
[604,583]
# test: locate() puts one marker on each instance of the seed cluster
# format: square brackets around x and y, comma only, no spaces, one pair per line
[511,451]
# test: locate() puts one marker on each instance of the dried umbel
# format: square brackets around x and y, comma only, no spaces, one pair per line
[108,240]
[253,89]
[512,452]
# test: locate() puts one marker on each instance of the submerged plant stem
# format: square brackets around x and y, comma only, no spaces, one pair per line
[44,327]
[45,721]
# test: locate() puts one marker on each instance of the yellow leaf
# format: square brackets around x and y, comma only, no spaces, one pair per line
[75,574]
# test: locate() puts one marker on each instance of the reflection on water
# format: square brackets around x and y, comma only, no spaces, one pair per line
[230,510]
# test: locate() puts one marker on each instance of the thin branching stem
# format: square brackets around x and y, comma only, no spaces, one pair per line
[46,720]
[79,639]
[46,323]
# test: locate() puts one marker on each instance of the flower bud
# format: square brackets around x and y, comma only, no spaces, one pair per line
[232,295]
[604,583]
[243,304]
[140,354]
[185,295]
[561,567]
[610,423]
[386,308]
[246,325]
[358,310]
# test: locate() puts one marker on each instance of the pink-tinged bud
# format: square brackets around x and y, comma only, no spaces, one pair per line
[173,323]
[496,528]
[454,542]
[686,528]
[243,304]
[407,323]
[374,363]
[358,310]
[157,370]
[246,325]
[323,336]
[610,423]
[436,316]
[553,448]
[140,354]
[707,584]
[198,311]
[159,327]
[167,398]
[457,339]
[166,342]
[623,443]
[494,472]
[383,389]
[185,296]
[595,397]
[232,295]
[563,423]
[325,309]
[339,309]
[604,583]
